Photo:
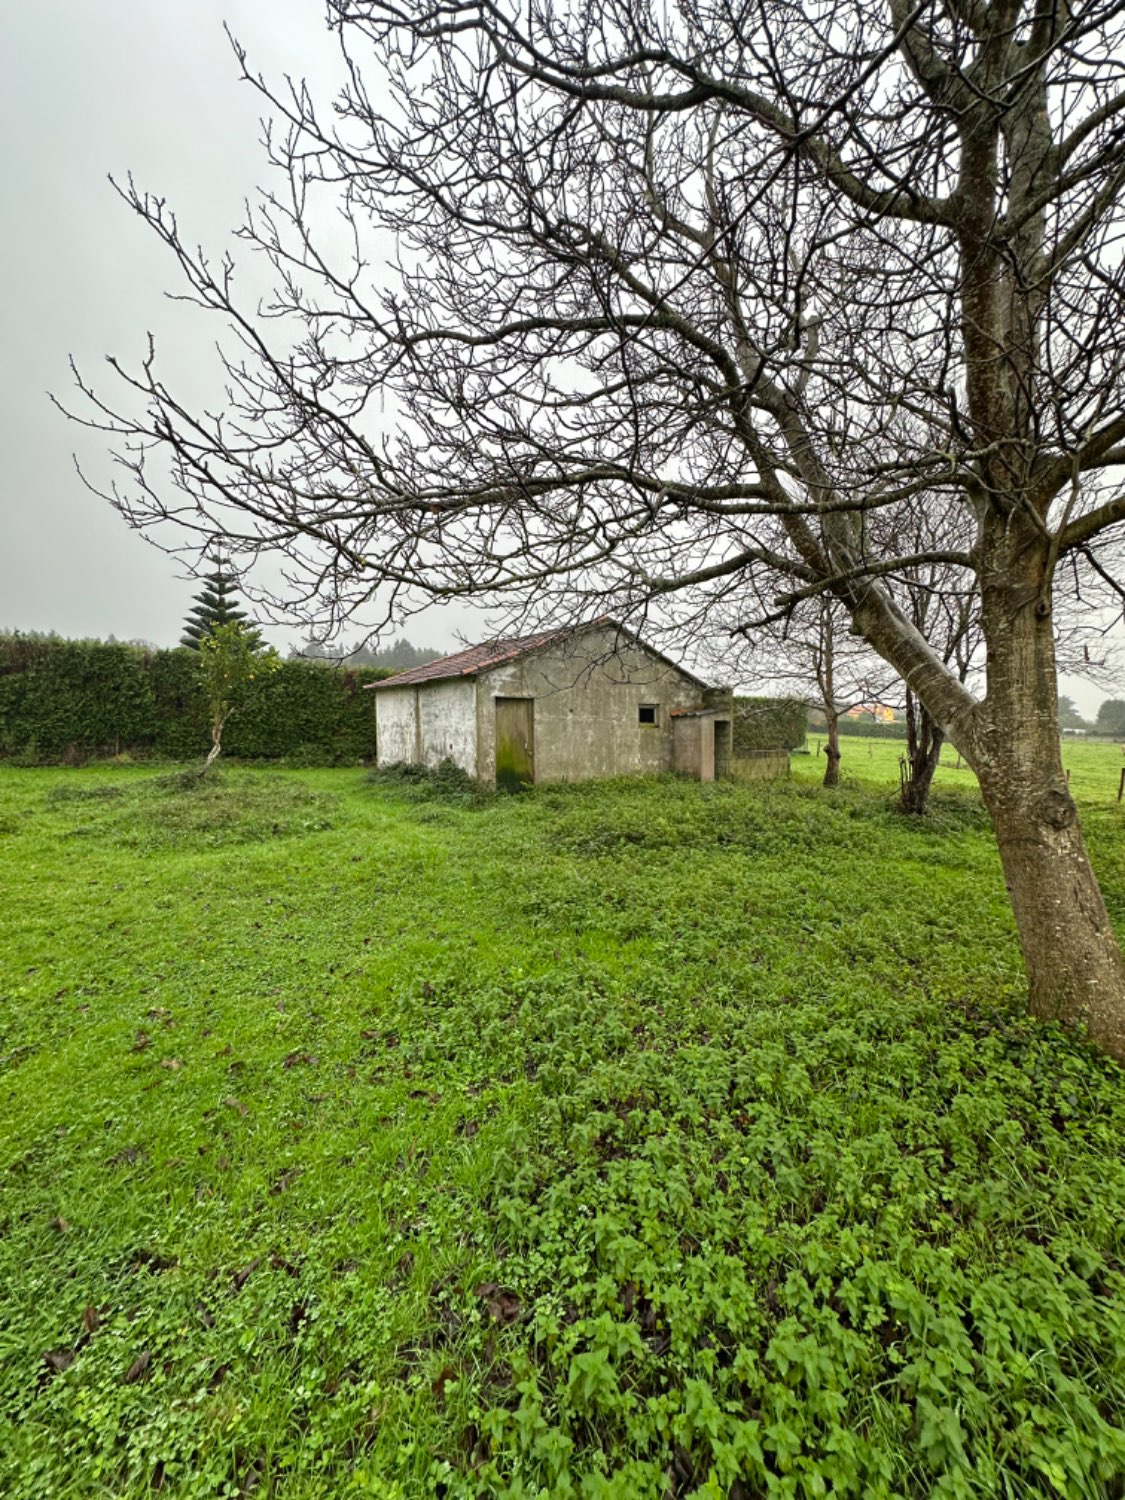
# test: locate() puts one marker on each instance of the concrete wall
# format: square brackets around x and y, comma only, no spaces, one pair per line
[395,726]
[448,718]
[694,746]
[427,724]
[587,695]
[760,765]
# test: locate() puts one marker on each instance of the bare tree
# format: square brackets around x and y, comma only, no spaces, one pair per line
[946,620]
[809,657]
[811,654]
[820,647]
[941,601]
[685,297]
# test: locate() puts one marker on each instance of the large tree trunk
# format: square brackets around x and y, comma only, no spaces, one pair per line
[1075,967]
[832,748]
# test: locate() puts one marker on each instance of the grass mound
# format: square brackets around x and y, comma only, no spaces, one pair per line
[599,820]
[185,811]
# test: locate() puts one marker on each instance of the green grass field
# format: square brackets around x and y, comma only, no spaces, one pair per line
[634,1140]
[1095,768]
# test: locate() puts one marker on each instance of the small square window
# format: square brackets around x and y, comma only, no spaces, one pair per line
[647,713]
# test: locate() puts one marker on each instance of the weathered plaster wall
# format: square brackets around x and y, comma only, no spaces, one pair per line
[587,696]
[395,728]
[429,723]
[449,723]
[694,747]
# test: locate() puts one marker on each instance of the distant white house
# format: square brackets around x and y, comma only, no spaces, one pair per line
[563,705]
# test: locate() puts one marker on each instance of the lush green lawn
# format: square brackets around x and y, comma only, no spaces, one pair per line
[1095,767]
[636,1140]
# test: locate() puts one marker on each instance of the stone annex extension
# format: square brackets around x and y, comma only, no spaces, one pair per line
[564,705]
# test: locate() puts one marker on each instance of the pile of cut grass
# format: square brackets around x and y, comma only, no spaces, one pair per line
[635,1140]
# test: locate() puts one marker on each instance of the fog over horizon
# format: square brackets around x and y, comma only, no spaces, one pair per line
[151,90]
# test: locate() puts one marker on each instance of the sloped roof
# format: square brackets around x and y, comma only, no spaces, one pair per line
[477,659]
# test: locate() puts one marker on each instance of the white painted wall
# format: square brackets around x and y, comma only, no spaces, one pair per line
[449,723]
[429,722]
[395,730]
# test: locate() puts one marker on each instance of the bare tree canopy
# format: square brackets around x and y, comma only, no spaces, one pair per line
[697,305]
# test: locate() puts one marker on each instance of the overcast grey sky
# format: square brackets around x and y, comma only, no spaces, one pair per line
[148,87]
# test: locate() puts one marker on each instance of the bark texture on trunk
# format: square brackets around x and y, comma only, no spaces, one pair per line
[924,739]
[1075,966]
[217,726]
[832,748]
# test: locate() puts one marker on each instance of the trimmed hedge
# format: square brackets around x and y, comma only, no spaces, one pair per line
[73,700]
[866,729]
[769,724]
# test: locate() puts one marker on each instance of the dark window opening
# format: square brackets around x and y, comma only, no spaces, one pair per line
[646,714]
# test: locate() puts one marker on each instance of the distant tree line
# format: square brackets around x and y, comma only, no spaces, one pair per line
[1109,720]
[398,657]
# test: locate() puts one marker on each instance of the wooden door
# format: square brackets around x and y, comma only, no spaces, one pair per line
[515,743]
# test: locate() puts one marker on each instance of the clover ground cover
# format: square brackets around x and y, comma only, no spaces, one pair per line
[630,1140]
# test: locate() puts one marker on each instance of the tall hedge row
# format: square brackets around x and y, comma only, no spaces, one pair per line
[866,729]
[70,700]
[769,724]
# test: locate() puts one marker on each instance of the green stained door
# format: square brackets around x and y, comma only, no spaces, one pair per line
[515,743]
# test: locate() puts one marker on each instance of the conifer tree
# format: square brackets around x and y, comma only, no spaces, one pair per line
[215,604]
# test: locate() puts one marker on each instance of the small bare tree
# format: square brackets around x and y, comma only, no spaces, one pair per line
[810,657]
[947,620]
[941,601]
[686,298]
[820,648]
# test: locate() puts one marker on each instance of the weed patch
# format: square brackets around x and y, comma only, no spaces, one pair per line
[182,810]
[445,782]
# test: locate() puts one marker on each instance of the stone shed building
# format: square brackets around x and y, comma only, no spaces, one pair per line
[563,705]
